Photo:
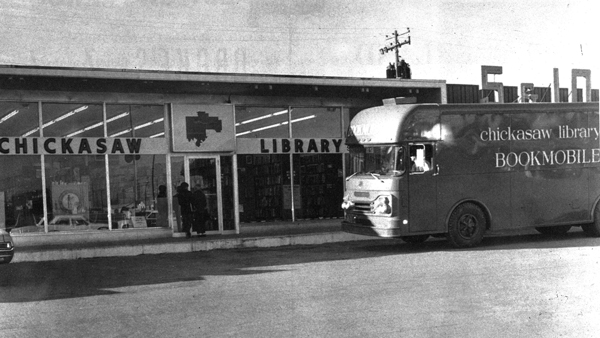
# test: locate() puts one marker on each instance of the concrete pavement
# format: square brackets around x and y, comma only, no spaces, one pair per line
[132,242]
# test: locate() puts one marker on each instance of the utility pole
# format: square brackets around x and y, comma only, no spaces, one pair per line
[395,46]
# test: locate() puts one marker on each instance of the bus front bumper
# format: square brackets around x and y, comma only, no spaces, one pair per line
[366,230]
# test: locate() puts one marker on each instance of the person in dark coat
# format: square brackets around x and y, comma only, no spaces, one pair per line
[162,207]
[186,202]
[200,212]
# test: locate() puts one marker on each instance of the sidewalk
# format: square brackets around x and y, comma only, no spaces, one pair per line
[252,235]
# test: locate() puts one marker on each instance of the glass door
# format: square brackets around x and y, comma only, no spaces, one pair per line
[213,175]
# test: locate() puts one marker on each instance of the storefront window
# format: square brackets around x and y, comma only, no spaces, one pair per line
[135,182]
[321,122]
[318,185]
[135,120]
[76,187]
[72,120]
[261,122]
[264,182]
[19,119]
[227,189]
[266,189]
[21,195]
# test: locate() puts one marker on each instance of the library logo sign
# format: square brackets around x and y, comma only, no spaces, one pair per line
[196,128]
[202,128]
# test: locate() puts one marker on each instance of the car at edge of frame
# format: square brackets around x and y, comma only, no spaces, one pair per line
[7,247]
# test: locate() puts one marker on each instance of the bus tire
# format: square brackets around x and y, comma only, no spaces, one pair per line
[559,230]
[466,226]
[418,239]
[593,229]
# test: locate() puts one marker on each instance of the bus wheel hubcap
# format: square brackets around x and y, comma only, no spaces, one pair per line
[467,226]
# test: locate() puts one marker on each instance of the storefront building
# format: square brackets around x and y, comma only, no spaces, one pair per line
[104,150]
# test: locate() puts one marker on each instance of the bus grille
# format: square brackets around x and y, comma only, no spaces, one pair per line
[364,207]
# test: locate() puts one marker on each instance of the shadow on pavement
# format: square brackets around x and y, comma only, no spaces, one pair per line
[39,281]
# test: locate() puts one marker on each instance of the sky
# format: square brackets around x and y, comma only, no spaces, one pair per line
[449,40]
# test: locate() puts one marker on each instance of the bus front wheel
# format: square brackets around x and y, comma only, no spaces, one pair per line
[593,229]
[466,226]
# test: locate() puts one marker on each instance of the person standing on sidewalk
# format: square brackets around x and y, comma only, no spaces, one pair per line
[162,206]
[200,212]
[186,202]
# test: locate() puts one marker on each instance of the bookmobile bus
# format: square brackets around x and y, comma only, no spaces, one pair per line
[459,171]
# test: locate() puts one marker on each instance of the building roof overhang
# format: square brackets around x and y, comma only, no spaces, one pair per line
[179,76]
[232,87]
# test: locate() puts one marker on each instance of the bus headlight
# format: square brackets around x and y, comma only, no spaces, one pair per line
[347,204]
[381,206]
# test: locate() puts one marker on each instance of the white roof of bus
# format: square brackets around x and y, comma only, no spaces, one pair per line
[383,124]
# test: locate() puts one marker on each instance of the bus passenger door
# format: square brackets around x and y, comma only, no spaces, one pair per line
[422,188]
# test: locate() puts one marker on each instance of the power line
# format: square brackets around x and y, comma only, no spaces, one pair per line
[395,46]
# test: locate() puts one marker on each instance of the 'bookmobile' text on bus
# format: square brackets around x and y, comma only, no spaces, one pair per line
[463,170]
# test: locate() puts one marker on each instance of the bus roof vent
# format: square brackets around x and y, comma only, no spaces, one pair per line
[399,100]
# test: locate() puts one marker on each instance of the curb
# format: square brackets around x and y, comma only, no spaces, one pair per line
[52,254]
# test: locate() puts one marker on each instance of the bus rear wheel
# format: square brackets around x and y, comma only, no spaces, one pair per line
[418,239]
[593,229]
[466,226]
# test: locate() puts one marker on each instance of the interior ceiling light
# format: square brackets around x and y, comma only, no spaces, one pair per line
[143,125]
[9,115]
[262,117]
[96,125]
[60,118]
[244,133]
[117,117]
[157,135]
[30,132]
[121,132]
[75,133]
[276,125]
[304,118]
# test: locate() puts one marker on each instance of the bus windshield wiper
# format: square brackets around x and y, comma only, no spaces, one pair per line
[376,176]
[356,173]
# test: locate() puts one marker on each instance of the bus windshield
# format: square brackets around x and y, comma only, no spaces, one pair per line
[377,160]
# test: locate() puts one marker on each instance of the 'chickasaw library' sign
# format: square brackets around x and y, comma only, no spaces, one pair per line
[195,128]
[125,146]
